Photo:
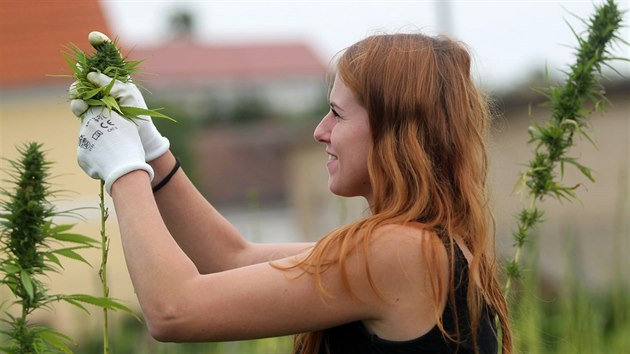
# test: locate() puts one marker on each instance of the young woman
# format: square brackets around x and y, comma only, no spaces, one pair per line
[406,130]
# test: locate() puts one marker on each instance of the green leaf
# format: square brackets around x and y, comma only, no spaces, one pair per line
[111,103]
[107,89]
[132,65]
[70,253]
[93,102]
[73,66]
[91,93]
[27,283]
[585,170]
[75,238]
[103,302]
[135,112]
[513,269]
[108,70]
[50,256]
[75,303]
[56,339]
[585,134]
[9,268]
[61,228]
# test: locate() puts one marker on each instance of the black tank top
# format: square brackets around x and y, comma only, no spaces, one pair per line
[354,338]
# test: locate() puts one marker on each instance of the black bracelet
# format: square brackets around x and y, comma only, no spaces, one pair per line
[168,176]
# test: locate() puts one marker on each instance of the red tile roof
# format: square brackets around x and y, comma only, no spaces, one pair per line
[186,60]
[34,33]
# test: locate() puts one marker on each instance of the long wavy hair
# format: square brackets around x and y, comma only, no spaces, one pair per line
[427,164]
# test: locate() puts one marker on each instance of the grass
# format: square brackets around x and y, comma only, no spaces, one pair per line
[131,337]
[571,318]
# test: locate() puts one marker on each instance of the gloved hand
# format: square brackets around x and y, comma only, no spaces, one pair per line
[109,146]
[127,94]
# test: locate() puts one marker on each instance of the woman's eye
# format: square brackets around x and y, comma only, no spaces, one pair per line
[334,113]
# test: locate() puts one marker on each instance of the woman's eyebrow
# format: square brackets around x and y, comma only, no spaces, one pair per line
[335,106]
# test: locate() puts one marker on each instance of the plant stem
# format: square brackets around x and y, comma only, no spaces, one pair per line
[103,269]
[525,227]
[25,342]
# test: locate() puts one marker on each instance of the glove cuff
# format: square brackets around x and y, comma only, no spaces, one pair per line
[156,148]
[123,170]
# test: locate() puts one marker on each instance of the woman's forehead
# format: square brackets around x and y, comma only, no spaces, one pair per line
[340,94]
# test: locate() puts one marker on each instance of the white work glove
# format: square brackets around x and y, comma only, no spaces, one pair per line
[127,94]
[109,146]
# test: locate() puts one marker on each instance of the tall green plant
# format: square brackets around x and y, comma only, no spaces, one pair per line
[570,115]
[31,245]
[106,59]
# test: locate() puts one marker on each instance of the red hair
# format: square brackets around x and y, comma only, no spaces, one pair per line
[428,162]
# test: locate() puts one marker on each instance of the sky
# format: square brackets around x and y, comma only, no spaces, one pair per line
[508,39]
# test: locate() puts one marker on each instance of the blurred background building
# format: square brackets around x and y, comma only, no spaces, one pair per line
[246,114]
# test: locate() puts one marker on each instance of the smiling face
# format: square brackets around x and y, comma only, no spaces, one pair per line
[345,131]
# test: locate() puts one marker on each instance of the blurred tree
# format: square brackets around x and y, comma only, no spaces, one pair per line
[249,109]
[181,23]
[180,134]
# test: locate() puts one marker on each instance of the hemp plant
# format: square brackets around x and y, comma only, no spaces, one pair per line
[106,59]
[571,105]
[31,244]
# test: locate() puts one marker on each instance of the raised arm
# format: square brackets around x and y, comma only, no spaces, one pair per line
[259,300]
[212,242]
[262,299]
[180,303]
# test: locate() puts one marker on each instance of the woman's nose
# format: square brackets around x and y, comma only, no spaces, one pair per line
[322,131]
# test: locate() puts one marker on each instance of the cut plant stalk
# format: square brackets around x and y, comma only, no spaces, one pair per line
[103,269]
[108,60]
[569,115]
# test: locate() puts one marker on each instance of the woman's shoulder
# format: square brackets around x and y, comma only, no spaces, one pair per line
[409,265]
[404,258]
[407,240]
